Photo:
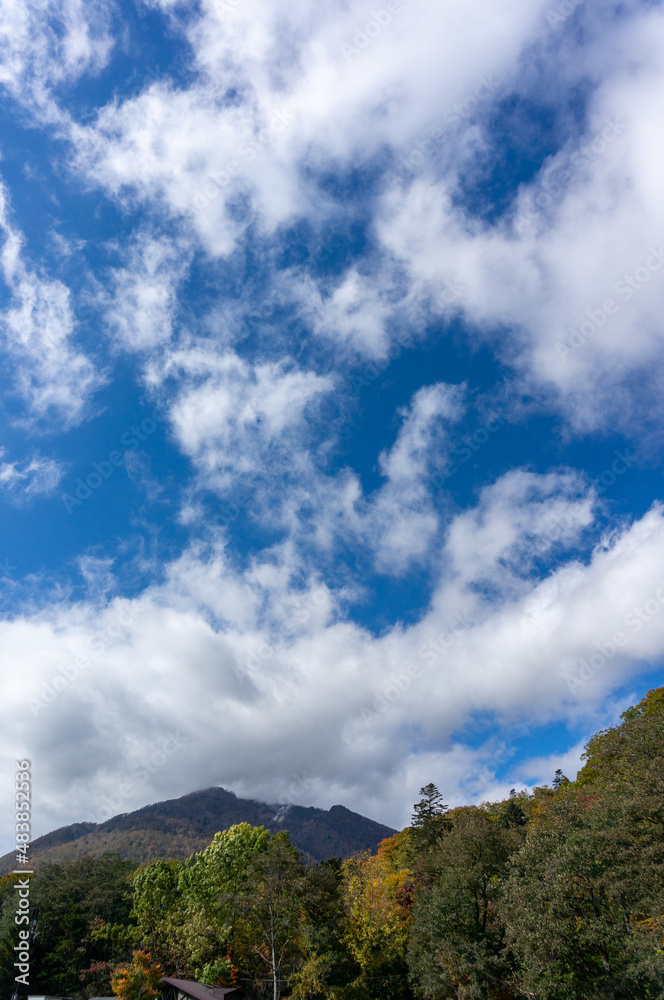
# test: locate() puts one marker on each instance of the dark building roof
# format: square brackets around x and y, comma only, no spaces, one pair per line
[201,991]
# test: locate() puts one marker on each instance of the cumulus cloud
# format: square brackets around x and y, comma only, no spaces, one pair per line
[355,313]
[568,284]
[424,423]
[45,45]
[302,689]
[320,509]
[533,613]
[400,520]
[519,519]
[198,153]
[235,419]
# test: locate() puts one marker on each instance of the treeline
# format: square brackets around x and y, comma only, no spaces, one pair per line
[558,895]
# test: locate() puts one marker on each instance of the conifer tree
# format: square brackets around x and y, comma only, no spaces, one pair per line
[429,815]
[559,780]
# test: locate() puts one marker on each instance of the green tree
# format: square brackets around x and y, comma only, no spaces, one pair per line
[190,915]
[273,906]
[512,813]
[161,914]
[327,969]
[429,815]
[75,899]
[560,780]
[457,946]
[584,901]
[232,911]
[215,885]
[628,752]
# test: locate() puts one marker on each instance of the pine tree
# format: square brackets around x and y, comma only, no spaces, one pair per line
[429,814]
[513,814]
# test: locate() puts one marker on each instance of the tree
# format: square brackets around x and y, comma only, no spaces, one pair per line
[75,899]
[215,885]
[584,901]
[327,969]
[272,903]
[513,814]
[189,915]
[629,751]
[377,894]
[428,820]
[139,980]
[457,946]
[159,909]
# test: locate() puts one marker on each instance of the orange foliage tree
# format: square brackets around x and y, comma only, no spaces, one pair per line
[139,980]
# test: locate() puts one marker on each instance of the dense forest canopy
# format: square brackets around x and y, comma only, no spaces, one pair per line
[554,895]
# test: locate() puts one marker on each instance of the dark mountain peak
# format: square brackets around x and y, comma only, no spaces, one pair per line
[176,828]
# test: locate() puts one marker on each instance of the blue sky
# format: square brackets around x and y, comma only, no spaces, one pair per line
[331,441]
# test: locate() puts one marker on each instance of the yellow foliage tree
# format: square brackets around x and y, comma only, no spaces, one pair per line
[378,895]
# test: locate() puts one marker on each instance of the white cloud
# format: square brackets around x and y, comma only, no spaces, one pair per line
[218,154]
[400,522]
[24,480]
[568,287]
[255,124]
[54,379]
[533,770]
[236,420]
[327,511]
[426,424]
[300,688]
[535,284]
[189,151]
[521,518]
[44,45]
[262,645]
[354,314]
[141,309]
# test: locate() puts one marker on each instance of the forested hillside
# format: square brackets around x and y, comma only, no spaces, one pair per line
[555,895]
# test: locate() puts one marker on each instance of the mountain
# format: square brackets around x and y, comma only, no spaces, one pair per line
[178,827]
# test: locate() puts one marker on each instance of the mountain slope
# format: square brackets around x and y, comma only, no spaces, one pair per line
[178,827]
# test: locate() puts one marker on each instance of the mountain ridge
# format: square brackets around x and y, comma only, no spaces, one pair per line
[176,828]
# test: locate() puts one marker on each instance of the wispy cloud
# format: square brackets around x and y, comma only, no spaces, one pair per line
[23,481]
[54,379]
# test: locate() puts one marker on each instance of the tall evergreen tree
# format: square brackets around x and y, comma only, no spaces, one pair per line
[429,813]
[513,814]
[559,780]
